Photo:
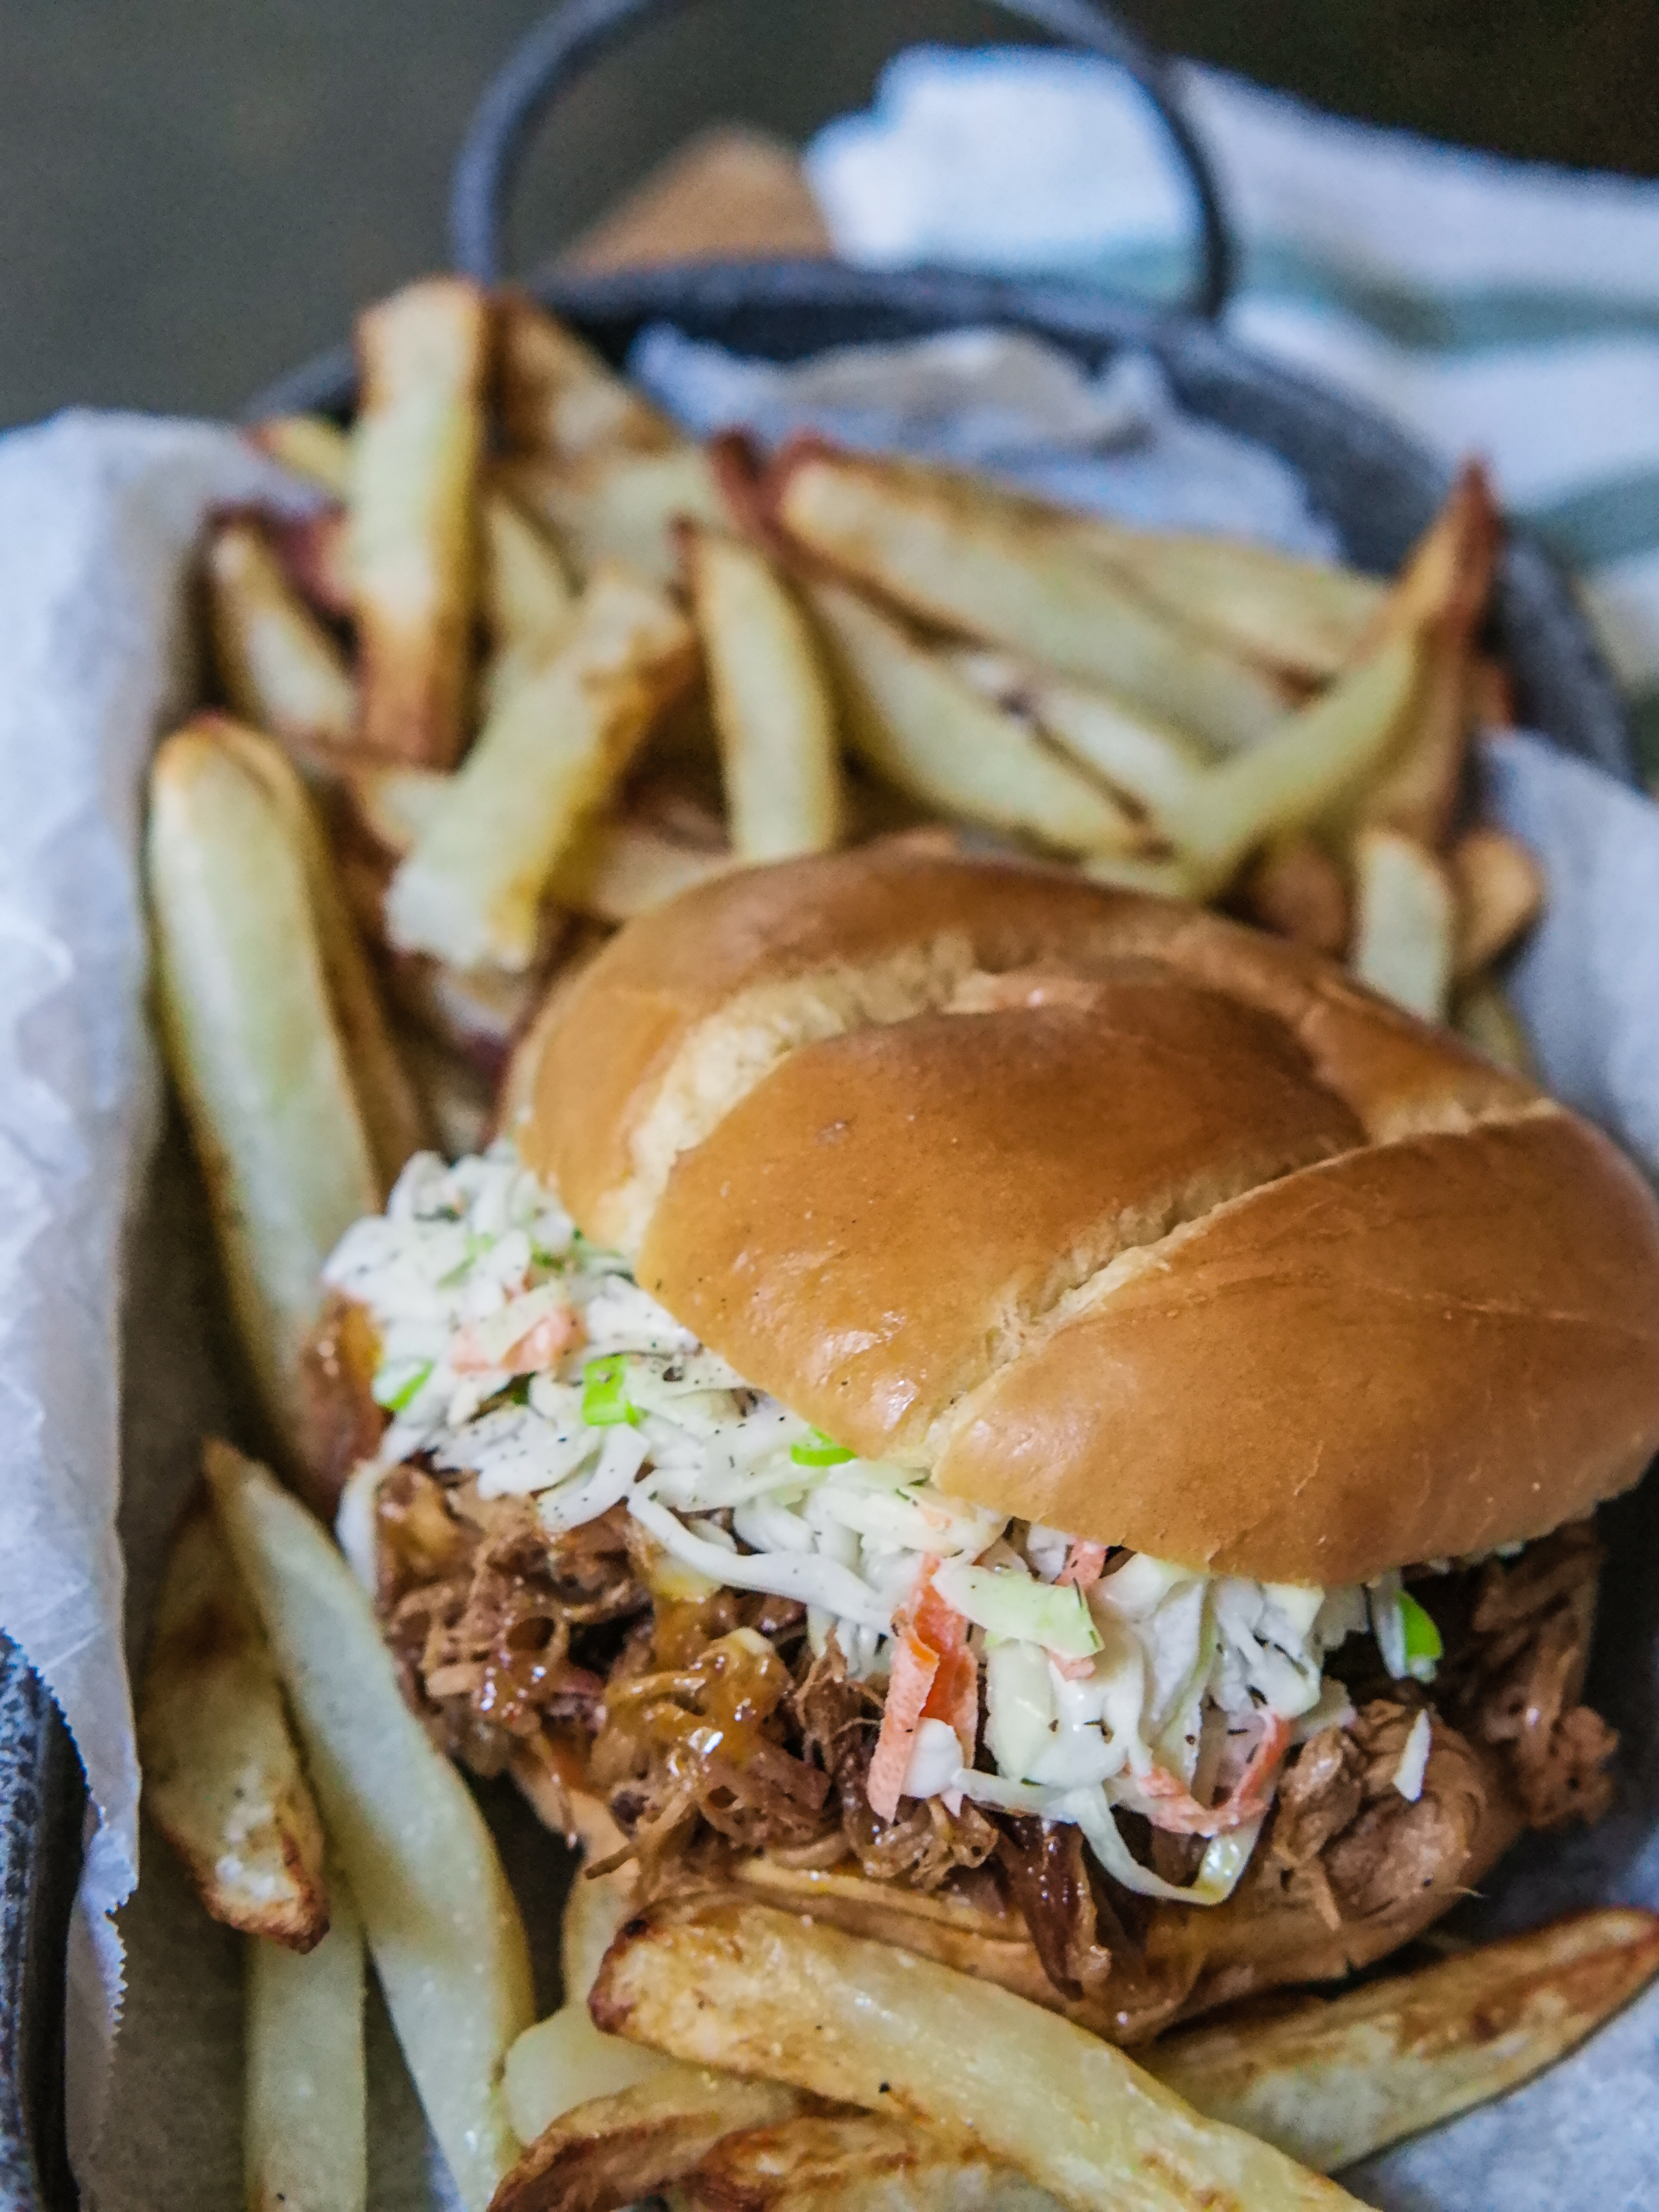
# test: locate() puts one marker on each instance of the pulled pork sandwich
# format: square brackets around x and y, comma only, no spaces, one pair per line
[1039,1422]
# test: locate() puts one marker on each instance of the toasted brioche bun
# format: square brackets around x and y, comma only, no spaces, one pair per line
[1115,1215]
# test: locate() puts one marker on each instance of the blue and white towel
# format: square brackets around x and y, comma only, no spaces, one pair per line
[1489,307]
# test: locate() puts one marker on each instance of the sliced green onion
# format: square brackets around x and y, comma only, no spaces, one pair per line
[605,1403]
[1423,1647]
[396,1397]
[816,1450]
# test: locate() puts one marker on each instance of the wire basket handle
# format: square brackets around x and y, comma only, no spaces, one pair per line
[550,58]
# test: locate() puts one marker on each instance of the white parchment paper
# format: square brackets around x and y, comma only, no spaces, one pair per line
[98,516]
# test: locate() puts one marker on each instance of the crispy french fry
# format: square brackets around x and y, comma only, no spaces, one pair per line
[620,505]
[913,719]
[529,602]
[396,807]
[311,446]
[1404,919]
[444,1931]
[1499,888]
[1296,889]
[1484,1017]
[1306,617]
[1147,763]
[222,1775]
[610,2152]
[279,667]
[965,558]
[773,715]
[556,396]
[621,866]
[304,2139]
[248,1020]
[415,463]
[472,890]
[770,1994]
[1341,2077]
[852,2164]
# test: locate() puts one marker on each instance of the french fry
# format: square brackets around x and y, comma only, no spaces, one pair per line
[1311,764]
[771,1994]
[1500,888]
[248,1020]
[314,551]
[279,667]
[557,398]
[1484,1017]
[621,866]
[847,2165]
[310,446]
[620,505]
[774,716]
[529,602]
[1341,2077]
[966,559]
[305,2141]
[415,462]
[1147,763]
[610,2152]
[1404,919]
[471,891]
[1304,617]
[396,807]
[1296,889]
[448,1942]
[222,1775]
[912,718]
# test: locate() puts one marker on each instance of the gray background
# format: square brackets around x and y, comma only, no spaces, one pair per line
[194,194]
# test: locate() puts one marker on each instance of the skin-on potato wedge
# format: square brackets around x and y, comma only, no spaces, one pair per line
[529,601]
[609,2152]
[1500,890]
[621,866]
[305,2137]
[913,719]
[1404,920]
[472,890]
[557,397]
[310,446]
[422,357]
[1341,2077]
[620,505]
[222,1775]
[962,558]
[767,1993]
[774,716]
[854,2164]
[247,1018]
[277,665]
[445,1935]
[563,2062]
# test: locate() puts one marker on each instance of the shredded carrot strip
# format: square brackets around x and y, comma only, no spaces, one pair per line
[1084,1563]
[1169,1804]
[539,1348]
[908,1686]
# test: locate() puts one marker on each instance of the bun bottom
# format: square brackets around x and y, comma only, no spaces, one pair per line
[1269,1935]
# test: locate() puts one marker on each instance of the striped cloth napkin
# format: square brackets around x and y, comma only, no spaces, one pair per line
[1489,307]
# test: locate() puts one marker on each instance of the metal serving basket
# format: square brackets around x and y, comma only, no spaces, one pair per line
[1375,487]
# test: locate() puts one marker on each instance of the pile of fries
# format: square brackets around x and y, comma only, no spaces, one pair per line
[532,664]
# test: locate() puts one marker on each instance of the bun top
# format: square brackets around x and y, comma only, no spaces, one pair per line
[1116,1215]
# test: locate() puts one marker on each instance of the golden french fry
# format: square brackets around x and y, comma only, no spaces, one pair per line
[396,807]
[309,445]
[850,2163]
[1483,1016]
[222,1775]
[1296,889]
[279,667]
[415,462]
[564,2062]
[305,2138]
[621,866]
[556,396]
[1305,618]
[314,551]
[1341,2077]
[1404,920]
[964,558]
[913,719]
[472,890]
[1311,764]
[1499,888]
[448,1942]
[774,716]
[609,2152]
[771,1994]
[529,602]
[620,505]
[248,1020]
[457,1095]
